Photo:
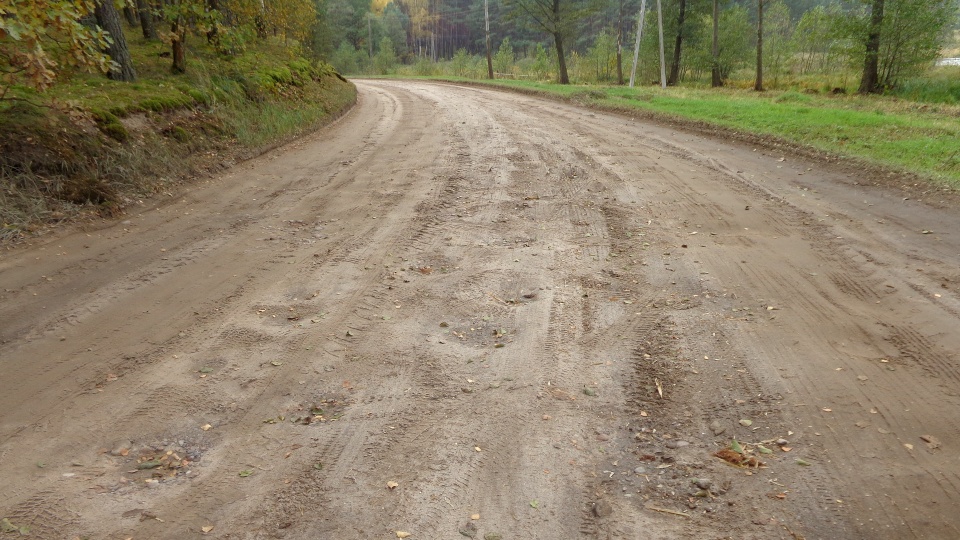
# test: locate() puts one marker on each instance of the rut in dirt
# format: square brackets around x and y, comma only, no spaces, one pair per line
[458,312]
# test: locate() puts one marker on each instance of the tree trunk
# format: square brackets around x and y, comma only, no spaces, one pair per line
[716,76]
[213,36]
[620,45]
[131,14]
[758,84]
[675,65]
[109,19]
[178,35]
[870,81]
[486,21]
[146,20]
[561,61]
[558,41]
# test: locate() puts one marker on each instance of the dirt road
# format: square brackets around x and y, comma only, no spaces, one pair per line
[462,313]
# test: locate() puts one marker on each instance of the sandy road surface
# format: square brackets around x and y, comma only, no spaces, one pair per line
[516,310]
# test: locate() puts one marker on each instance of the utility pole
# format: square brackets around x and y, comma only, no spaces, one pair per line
[663,68]
[636,47]
[369,35]
[486,17]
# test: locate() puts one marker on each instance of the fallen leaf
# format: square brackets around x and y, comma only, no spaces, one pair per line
[152,464]
[803,463]
[746,423]
[206,427]
[534,504]
[391,484]
[477,448]
[786,448]
[206,370]
[763,449]
[402,534]
[590,392]
[206,528]
[908,446]
[6,526]
[111,377]
[474,516]
[735,446]
[736,458]
[276,363]
[826,410]
[245,473]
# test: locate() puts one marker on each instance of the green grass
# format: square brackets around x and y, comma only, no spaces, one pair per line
[889,132]
[159,129]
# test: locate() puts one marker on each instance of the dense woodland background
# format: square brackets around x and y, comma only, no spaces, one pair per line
[865,45]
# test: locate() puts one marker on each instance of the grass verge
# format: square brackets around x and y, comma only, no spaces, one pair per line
[92,146]
[888,133]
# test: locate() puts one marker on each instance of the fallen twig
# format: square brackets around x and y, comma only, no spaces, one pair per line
[665,511]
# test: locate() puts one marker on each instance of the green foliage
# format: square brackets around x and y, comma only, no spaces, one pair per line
[385,61]
[40,37]
[347,59]
[940,86]
[777,34]
[504,58]
[911,37]
[602,58]
[110,125]
[541,64]
[460,62]
[821,41]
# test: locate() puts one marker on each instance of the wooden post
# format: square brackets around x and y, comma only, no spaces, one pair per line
[636,47]
[663,68]
[486,17]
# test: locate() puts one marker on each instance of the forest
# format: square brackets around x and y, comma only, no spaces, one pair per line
[814,43]
[870,46]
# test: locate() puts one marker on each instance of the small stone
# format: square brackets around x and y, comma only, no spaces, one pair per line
[493,536]
[702,483]
[639,470]
[782,442]
[602,509]
[469,529]
[717,428]
[121,450]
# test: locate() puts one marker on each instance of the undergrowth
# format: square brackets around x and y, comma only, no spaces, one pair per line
[92,144]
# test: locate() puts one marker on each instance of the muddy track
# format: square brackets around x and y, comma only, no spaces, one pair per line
[513,308]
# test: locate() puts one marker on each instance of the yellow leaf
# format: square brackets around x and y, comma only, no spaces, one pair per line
[402,534]
[206,528]
[391,484]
